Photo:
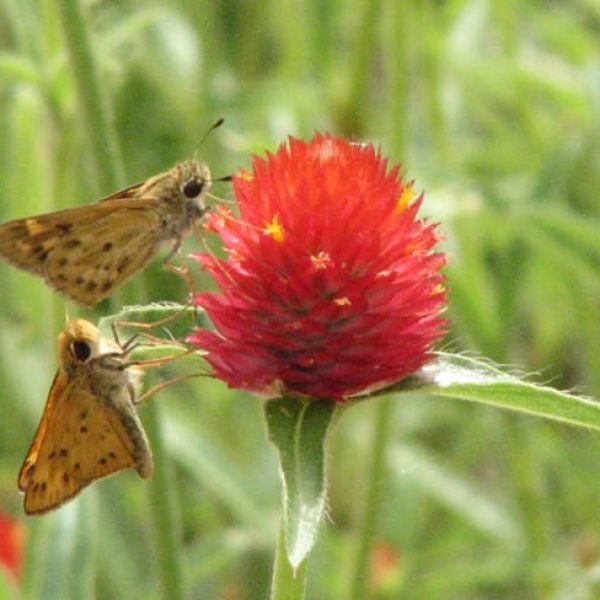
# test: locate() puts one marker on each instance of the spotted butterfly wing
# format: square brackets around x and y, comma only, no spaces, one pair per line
[89,262]
[86,252]
[27,243]
[89,428]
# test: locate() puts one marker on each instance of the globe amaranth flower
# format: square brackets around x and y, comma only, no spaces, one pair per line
[331,287]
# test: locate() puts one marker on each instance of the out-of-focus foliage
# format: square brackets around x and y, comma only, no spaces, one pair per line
[493,107]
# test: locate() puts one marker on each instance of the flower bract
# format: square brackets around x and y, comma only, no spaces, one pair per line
[331,286]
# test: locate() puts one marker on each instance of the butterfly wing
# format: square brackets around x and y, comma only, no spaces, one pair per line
[89,262]
[80,438]
[27,243]
[131,191]
[86,252]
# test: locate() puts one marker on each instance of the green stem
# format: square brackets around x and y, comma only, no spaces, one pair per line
[526,464]
[26,144]
[109,168]
[353,113]
[104,145]
[505,14]
[287,584]
[432,76]
[107,159]
[399,52]
[35,557]
[371,509]
[162,500]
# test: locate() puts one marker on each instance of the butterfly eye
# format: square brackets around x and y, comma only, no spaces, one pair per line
[81,351]
[192,188]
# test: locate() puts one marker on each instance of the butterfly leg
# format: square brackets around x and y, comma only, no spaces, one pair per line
[127,346]
[220,201]
[163,360]
[181,270]
[156,388]
[156,362]
[132,343]
[149,325]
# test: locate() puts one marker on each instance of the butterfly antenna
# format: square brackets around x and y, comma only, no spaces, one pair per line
[214,126]
[221,179]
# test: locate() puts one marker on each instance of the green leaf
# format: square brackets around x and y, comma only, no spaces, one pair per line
[14,65]
[298,429]
[159,331]
[166,320]
[460,494]
[165,325]
[212,470]
[465,378]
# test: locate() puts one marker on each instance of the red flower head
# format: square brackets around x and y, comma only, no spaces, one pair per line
[331,287]
[11,545]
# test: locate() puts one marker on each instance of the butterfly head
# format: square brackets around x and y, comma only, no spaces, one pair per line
[80,343]
[192,178]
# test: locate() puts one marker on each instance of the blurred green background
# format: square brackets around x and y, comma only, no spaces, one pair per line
[493,107]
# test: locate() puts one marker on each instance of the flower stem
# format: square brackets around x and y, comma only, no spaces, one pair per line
[287,584]
[353,113]
[107,159]
[109,168]
[166,529]
[35,557]
[371,509]
[108,163]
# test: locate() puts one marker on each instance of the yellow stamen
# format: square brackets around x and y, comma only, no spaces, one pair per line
[245,174]
[274,229]
[405,198]
[321,260]
[345,301]
[234,256]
